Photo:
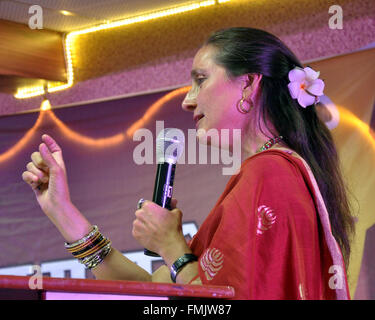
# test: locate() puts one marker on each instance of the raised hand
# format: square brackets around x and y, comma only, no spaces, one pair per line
[46,174]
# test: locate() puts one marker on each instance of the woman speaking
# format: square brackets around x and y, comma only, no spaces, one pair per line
[281,228]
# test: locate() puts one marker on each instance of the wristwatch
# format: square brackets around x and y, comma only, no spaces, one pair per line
[180,263]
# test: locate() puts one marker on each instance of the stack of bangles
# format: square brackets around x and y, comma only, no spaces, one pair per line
[91,249]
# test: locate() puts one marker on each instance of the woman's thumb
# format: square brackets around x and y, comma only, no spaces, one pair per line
[177,212]
[173,203]
[47,157]
[51,143]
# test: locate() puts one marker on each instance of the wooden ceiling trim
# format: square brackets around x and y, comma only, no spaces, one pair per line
[29,53]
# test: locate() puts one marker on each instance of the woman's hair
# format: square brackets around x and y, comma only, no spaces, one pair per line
[246,50]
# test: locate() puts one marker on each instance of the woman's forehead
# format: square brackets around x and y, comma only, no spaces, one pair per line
[204,58]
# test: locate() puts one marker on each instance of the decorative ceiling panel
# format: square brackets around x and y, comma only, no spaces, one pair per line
[84,12]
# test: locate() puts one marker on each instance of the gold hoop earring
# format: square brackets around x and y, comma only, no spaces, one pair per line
[241,108]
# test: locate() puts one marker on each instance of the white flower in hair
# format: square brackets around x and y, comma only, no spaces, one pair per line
[305,86]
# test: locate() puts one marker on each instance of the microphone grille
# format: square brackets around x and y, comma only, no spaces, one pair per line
[170,145]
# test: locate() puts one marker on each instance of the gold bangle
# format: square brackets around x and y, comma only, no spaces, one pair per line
[99,246]
[82,240]
[85,244]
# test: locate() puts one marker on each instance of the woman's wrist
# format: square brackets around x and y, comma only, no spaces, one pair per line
[171,253]
[71,223]
[181,263]
[187,271]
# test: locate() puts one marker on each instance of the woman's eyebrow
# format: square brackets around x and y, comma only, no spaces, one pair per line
[196,72]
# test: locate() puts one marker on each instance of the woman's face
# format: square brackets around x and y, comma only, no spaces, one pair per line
[213,96]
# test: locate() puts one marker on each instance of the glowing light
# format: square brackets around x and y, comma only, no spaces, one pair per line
[66,13]
[87,141]
[207,3]
[45,105]
[346,116]
[11,152]
[101,142]
[29,92]
[146,17]
[363,127]
[154,108]
[72,36]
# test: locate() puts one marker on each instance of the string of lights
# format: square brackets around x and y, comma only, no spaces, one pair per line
[107,142]
[71,39]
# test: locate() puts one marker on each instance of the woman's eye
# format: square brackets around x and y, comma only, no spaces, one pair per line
[199,81]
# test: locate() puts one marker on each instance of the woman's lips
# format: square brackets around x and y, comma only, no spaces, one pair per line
[197,118]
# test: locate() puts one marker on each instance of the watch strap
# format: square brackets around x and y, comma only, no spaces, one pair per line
[180,263]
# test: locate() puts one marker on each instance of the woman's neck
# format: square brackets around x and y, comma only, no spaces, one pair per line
[251,146]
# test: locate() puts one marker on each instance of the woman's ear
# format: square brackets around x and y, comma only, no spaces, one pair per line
[252,86]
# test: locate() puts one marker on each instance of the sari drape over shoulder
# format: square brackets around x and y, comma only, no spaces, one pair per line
[269,234]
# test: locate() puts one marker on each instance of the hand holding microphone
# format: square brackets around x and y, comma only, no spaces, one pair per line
[154,222]
[156,228]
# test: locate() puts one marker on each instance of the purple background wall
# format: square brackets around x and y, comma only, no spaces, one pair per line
[158,54]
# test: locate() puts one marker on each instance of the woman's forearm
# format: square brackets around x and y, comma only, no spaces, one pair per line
[71,223]
[116,266]
[46,175]
[73,226]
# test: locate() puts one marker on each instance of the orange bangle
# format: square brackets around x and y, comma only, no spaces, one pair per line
[100,245]
[85,244]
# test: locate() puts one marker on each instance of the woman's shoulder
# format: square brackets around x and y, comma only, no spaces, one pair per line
[273,161]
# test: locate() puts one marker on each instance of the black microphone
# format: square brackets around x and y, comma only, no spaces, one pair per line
[169,147]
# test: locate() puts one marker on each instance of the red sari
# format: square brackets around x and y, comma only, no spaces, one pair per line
[269,236]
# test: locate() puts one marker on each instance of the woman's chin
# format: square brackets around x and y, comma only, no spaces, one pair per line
[212,137]
[202,137]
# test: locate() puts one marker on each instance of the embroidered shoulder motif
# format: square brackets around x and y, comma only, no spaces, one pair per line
[266,218]
[211,262]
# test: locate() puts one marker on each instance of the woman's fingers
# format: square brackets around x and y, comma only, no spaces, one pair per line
[44,162]
[40,174]
[140,215]
[31,179]
[47,157]
[38,161]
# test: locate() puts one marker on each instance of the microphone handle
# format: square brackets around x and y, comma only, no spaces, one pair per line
[163,190]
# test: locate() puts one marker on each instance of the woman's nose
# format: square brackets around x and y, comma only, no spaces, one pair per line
[190,101]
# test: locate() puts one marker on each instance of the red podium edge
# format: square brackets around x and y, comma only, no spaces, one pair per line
[119,287]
